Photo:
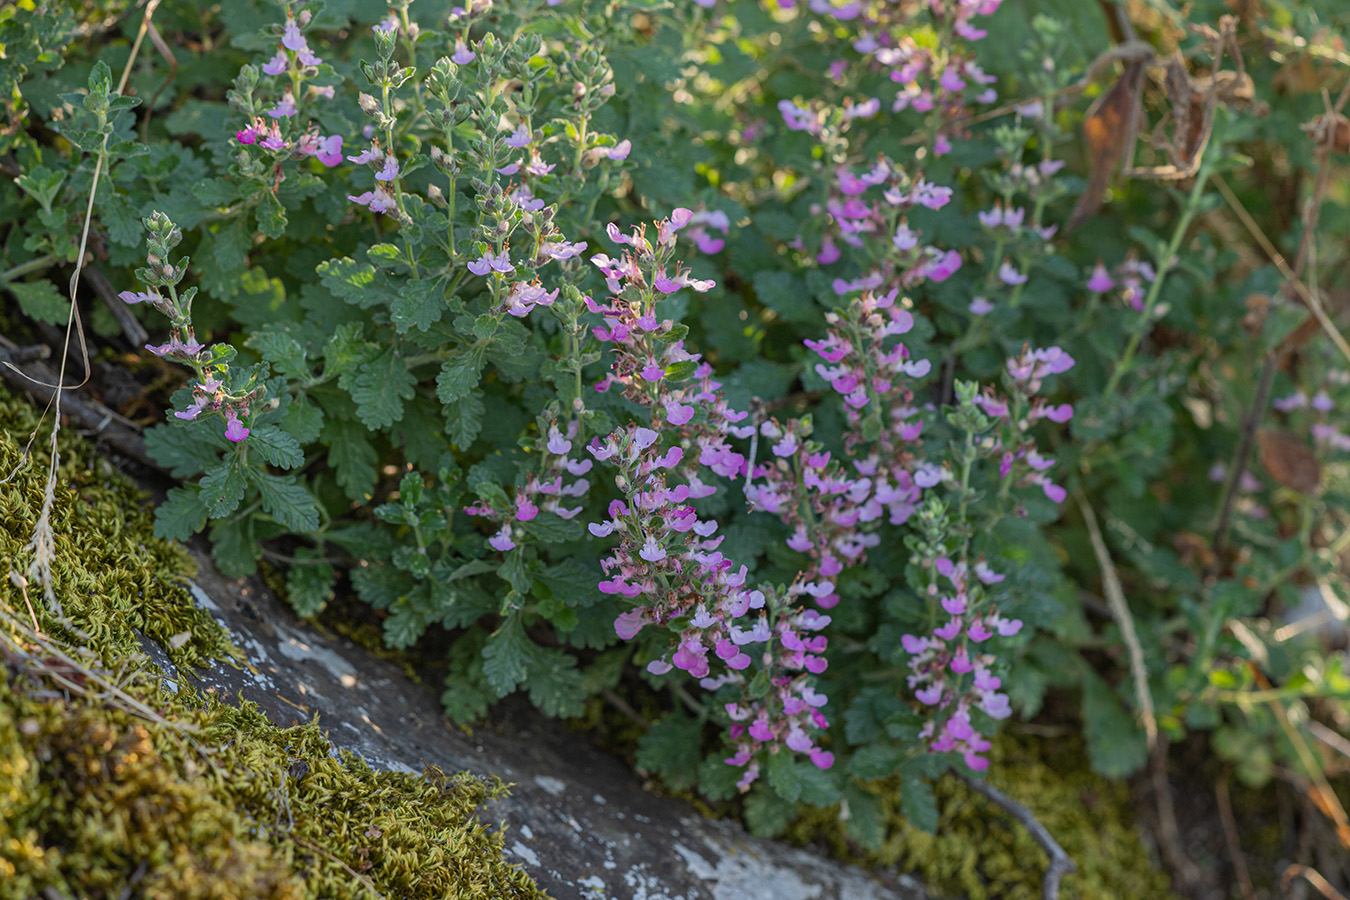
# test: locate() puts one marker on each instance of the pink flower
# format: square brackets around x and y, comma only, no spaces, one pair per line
[234,429]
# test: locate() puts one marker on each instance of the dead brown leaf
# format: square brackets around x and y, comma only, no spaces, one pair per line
[1108,131]
[1289,461]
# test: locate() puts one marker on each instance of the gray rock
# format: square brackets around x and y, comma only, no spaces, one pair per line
[578,820]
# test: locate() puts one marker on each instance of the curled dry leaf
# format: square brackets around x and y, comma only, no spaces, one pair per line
[1289,461]
[1108,131]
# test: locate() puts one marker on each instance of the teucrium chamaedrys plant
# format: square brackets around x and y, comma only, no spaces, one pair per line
[808,438]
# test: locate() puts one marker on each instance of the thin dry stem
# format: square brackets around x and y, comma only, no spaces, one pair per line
[1230,834]
[1313,877]
[1120,611]
[1060,862]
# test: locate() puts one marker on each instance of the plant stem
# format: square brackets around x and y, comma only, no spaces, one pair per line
[22,269]
[1165,265]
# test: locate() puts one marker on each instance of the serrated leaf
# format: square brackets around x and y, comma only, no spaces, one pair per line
[309,587]
[181,515]
[555,684]
[183,450]
[767,814]
[351,456]
[404,625]
[506,656]
[464,419]
[276,446]
[41,300]
[282,351]
[380,389]
[233,547]
[380,585]
[671,749]
[223,486]
[418,304]
[917,802]
[459,376]
[303,421]
[287,502]
[515,572]
[351,281]
[866,821]
[572,581]
[1116,743]
[551,528]
[784,777]
[878,760]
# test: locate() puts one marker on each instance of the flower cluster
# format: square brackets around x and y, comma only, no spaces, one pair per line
[210,393]
[948,669]
[1020,460]
[268,128]
[545,489]
[667,560]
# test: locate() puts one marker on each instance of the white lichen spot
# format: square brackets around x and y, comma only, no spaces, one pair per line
[550,785]
[598,800]
[202,597]
[526,833]
[594,883]
[529,856]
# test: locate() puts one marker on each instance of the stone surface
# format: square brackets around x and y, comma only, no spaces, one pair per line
[579,821]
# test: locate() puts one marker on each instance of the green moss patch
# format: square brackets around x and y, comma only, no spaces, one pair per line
[980,853]
[111,786]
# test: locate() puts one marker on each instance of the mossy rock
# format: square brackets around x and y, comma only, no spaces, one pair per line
[111,785]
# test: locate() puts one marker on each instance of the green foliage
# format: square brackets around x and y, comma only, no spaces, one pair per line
[388,387]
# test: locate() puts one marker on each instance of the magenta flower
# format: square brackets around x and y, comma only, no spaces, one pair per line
[329,150]
[234,429]
[1100,282]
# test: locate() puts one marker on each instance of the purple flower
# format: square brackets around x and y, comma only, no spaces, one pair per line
[501,541]
[1008,274]
[276,65]
[234,429]
[1100,282]
[292,39]
[390,170]
[490,261]
[519,138]
[329,150]
[462,55]
[620,150]
[378,200]
[285,107]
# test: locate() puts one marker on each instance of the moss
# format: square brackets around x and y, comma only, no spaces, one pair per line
[980,853]
[110,787]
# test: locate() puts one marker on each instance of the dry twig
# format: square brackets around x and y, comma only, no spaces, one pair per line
[1060,862]
[1120,611]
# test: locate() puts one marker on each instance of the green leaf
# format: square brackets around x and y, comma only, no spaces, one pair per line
[418,304]
[767,814]
[459,375]
[866,820]
[309,587]
[351,281]
[41,300]
[276,446]
[787,296]
[233,547]
[672,748]
[282,351]
[572,581]
[463,419]
[784,776]
[380,389]
[506,656]
[917,802]
[682,370]
[552,528]
[303,421]
[287,502]
[351,456]
[878,760]
[379,585]
[515,572]
[1116,744]
[555,684]
[223,486]
[181,515]
[182,449]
